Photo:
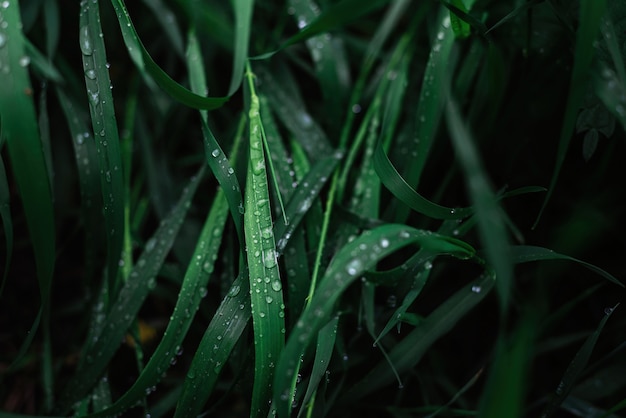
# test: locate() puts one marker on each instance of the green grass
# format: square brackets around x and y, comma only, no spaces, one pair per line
[310,209]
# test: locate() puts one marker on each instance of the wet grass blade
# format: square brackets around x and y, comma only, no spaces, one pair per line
[7,223]
[408,352]
[105,131]
[266,298]
[591,12]
[99,351]
[192,292]
[147,65]
[243,21]
[215,348]
[18,127]
[576,367]
[489,215]
[347,266]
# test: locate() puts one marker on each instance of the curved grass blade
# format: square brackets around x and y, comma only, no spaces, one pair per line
[303,196]
[266,298]
[99,351]
[18,123]
[398,186]
[323,353]
[489,215]
[215,156]
[408,352]
[527,253]
[576,367]
[105,130]
[214,349]
[41,64]
[7,222]
[167,20]
[591,12]
[347,266]
[146,65]
[243,22]
[192,291]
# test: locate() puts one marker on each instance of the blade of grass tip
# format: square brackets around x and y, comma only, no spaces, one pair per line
[576,367]
[514,13]
[243,21]
[146,65]
[408,352]
[193,290]
[591,12]
[7,222]
[215,348]
[52,23]
[105,130]
[508,376]
[123,310]
[323,353]
[266,298]
[347,266]
[215,156]
[25,149]
[489,215]
[167,21]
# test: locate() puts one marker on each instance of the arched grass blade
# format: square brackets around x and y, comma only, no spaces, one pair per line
[489,215]
[146,65]
[266,298]
[99,351]
[192,291]
[408,352]
[527,253]
[398,186]
[105,131]
[347,266]
[576,366]
[591,12]
[215,347]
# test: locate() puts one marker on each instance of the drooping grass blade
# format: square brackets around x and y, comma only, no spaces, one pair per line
[348,265]
[243,22]
[106,135]
[266,298]
[123,310]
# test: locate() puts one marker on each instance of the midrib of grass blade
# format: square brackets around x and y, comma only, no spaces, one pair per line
[146,65]
[266,298]
[192,291]
[408,352]
[215,348]
[591,12]
[18,124]
[123,310]
[348,265]
[105,131]
[489,215]
[576,367]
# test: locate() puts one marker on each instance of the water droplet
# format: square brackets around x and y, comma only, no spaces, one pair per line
[90,74]
[354,266]
[24,61]
[608,311]
[151,283]
[234,291]
[384,243]
[268,299]
[262,314]
[3,40]
[356,108]
[277,285]
[267,233]
[85,41]
[107,176]
[150,245]
[215,153]
[230,170]
[5,4]
[269,259]
[203,292]
[428,265]
[476,289]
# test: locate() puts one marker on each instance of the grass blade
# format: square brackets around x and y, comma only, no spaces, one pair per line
[105,131]
[124,309]
[266,298]
[7,223]
[243,22]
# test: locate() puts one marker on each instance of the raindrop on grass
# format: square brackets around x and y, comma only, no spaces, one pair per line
[277,285]
[476,289]
[269,259]
[608,311]
[234,291]
[3,40]
[269,299]
[24,61]
[215,153]
[85,41]
[354,266]
[90,74]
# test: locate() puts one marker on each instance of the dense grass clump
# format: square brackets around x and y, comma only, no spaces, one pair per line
[312,208]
